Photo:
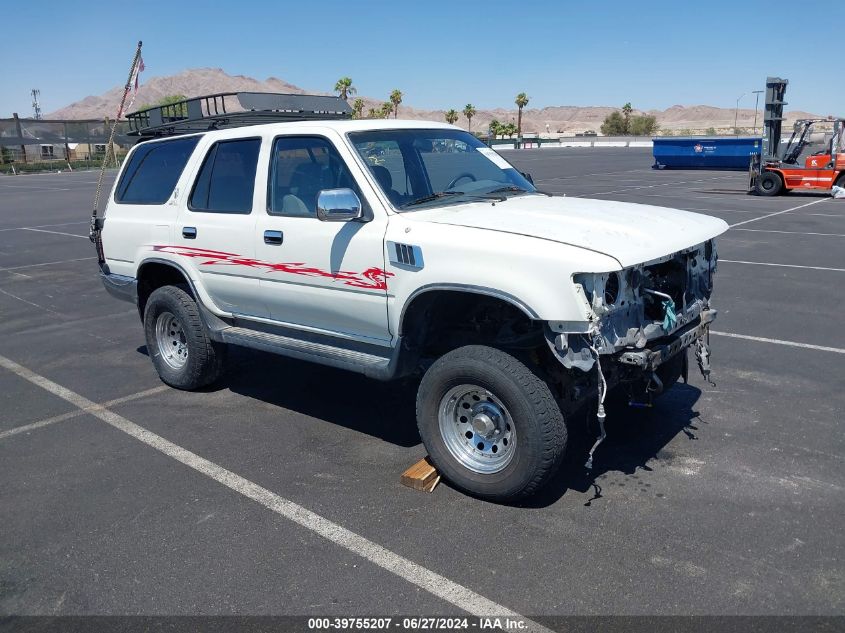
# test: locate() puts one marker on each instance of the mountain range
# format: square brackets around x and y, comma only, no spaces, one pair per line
[566,119]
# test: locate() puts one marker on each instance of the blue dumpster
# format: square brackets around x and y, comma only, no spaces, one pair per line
[732,152]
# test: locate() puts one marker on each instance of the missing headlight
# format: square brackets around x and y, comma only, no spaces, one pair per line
[611,289]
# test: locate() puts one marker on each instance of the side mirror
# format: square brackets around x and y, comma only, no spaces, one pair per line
[338,205]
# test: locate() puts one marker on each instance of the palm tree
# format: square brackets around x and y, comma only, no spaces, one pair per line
[521,102]
[358,108]
[451,116]
[386,109]
[509,130]
[495,128]
[469,112]
[344,88]
[626,112]
[396,99]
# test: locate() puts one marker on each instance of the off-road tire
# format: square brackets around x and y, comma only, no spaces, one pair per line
[205,358]
[541,433]
[768,184]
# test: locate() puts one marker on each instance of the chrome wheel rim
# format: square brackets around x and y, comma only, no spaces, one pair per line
[477,429]
[170,337]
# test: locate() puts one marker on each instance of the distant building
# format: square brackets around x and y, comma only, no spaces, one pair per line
[42,140]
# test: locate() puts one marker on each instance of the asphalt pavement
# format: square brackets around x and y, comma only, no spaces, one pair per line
[276,492]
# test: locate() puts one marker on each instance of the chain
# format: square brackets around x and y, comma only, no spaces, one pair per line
[94,233]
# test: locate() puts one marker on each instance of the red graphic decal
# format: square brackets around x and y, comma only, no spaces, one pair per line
[373,278]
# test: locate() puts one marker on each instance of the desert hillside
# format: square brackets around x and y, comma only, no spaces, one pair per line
[567,119]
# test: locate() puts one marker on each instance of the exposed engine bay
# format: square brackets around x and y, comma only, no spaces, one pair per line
[631,308]
[641,320]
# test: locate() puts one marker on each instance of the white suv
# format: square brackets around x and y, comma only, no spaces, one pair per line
[394,248]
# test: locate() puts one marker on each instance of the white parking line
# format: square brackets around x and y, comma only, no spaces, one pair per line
[735,261]
[64,261]
[662,184]
[40,226]
[771,215]
[606,173]
[80,412]
[792,232]
[26,301]
[437,585]
[84,237]
[32,189]
[16,274]
[776,341]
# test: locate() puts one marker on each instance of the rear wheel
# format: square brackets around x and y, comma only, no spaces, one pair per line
[840,182]
[182,352]
[490,425]
[768,184]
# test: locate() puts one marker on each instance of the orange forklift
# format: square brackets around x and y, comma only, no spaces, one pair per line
[812,159]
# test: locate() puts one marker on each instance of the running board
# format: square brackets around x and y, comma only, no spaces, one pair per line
[372,365]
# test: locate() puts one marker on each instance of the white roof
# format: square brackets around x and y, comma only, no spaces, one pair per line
[342,126]
[356,125]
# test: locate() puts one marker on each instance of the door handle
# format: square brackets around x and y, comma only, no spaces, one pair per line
[189,232]
[273,237]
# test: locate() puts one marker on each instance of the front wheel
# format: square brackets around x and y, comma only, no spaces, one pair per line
[768,184]
[490,425]
[180,348]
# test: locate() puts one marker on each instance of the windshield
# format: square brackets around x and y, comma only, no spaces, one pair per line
[434,167]
[809,140]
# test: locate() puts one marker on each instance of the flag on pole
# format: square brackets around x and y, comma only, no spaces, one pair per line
[136,74]
[139,70]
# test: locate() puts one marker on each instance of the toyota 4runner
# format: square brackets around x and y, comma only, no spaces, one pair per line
[394,248]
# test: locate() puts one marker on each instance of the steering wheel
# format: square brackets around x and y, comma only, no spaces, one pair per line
[460,177]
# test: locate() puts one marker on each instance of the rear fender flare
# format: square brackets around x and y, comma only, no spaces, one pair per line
[211,320]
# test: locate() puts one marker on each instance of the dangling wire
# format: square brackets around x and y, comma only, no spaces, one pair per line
[600,415]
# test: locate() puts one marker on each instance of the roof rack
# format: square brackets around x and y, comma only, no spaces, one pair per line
[234,109]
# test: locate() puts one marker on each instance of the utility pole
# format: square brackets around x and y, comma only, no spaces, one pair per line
[736,113]
[756,103]
[36,107]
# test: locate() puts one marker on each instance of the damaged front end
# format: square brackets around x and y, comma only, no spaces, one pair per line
[640,322]
[641,318]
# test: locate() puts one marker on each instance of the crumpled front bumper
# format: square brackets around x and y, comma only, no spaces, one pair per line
[652,357]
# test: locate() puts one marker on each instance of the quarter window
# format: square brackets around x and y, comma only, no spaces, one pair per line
[153,170]
[227,178]
[301,167]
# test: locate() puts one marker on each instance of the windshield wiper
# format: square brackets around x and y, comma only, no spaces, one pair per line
[508,188]
[432,197]
[515,189]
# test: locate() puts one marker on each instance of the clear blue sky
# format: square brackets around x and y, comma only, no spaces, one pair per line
[440,54]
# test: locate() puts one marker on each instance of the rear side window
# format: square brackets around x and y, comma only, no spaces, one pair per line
[153,170]
[227,178]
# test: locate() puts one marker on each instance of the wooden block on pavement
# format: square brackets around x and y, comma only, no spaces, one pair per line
[421,476]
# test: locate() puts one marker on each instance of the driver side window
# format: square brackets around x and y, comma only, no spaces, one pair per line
[301,167]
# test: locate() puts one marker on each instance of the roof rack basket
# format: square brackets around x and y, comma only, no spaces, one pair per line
[234,109]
